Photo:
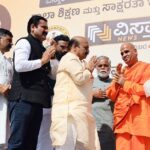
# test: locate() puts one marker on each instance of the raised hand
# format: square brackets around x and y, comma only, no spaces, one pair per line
[49,53]
[118,76]
[91,64]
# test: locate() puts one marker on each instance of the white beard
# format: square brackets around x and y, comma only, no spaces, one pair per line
[103,74]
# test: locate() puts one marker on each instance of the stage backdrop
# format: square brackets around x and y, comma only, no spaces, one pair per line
[106,23]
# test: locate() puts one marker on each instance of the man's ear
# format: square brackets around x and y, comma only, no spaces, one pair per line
[135,50]
[32,27]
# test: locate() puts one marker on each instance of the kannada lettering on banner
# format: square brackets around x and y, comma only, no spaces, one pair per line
[128,30]
[48,3]
[120,6]
[69,12]
[106,23]
[5,19]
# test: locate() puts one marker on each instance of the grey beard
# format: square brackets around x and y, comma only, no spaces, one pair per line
[103,75]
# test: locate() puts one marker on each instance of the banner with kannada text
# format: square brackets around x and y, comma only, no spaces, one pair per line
[105,23]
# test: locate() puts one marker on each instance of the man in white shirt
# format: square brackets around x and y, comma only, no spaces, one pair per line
[30,91]
[6,73]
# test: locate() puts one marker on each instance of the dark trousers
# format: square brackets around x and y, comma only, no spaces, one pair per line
[107,138]
[25,119]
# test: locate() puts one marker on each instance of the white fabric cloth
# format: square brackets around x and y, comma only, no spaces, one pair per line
[44,140]
[71,138]
[6,73]
[54,66]
[147,88]
[22,53]
[71,143]
[72,98]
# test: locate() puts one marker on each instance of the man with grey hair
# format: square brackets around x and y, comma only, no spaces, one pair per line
[102,105]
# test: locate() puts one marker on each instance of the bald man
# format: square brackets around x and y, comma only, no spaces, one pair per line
[132,103]
[73,126]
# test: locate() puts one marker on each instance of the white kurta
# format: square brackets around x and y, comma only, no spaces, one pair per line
[44,140]
[72,100]
[6,73]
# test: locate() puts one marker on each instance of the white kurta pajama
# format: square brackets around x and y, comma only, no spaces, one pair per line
[6,73]
[44,140]
[72,101]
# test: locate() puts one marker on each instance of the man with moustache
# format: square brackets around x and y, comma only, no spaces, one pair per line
[44,140]
[73,126]
[62,45]
[62,42]
[130,92]
[102,105]
[6,73]
[30,91]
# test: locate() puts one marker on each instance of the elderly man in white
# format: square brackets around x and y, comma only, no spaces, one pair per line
[73,126]
[6,72]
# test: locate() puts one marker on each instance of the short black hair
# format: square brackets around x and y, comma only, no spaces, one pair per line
[4,32]
[62,37]
[34,20]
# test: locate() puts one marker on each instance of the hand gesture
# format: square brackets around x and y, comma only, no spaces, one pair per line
[49,53]
[118,76]
[98,93]
[91,64]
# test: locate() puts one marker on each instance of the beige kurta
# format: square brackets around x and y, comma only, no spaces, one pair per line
[72,99]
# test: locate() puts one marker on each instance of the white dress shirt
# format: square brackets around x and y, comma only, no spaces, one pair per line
[22,53]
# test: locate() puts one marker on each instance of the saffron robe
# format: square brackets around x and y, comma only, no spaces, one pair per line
[132,107]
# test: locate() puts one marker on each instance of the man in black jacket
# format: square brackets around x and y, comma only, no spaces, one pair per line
[30,89]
